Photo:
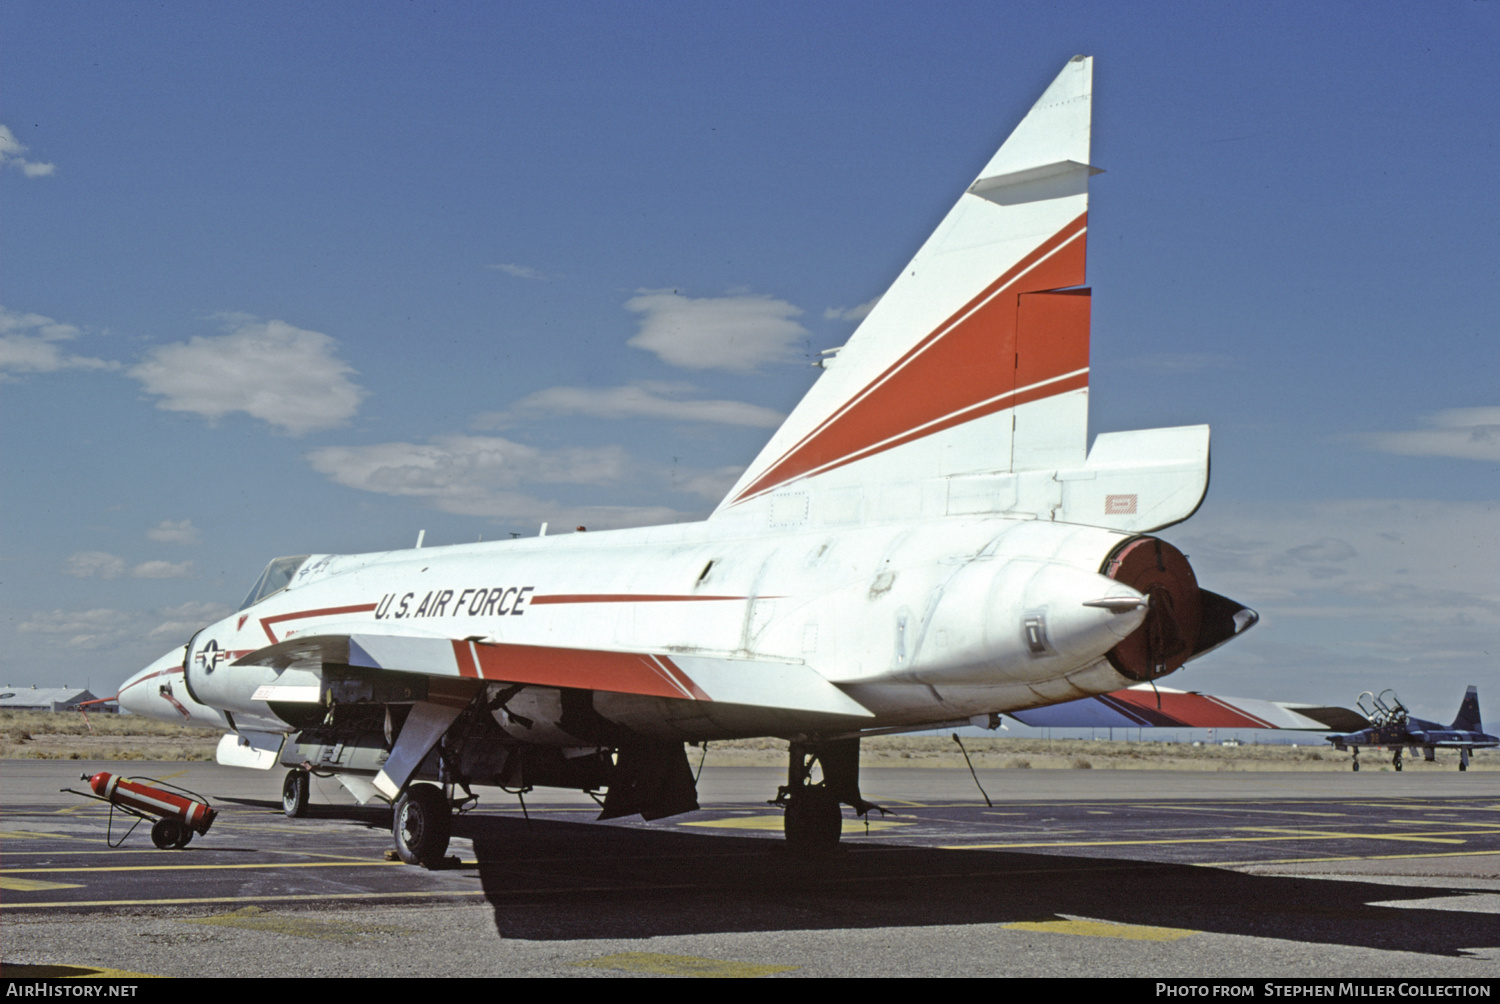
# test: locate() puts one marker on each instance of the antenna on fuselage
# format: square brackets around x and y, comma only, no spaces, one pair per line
[544,531]
[420,534]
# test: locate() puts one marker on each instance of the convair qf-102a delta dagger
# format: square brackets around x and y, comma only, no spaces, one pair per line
[927,541]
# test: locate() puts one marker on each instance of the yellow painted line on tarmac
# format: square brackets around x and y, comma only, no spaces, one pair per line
[1235,811]
[59,972]
[1305,835]
[681,965]
[1420,838]
[1344,857]
[320,897]
[776,822]
[33,885]
[255,918]
[36,835]
[1101,929]
[1490,827]
[215,867]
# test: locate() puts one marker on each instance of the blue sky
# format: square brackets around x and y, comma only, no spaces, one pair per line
[281,278]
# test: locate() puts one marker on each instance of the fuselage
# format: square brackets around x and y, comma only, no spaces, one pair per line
[918,621]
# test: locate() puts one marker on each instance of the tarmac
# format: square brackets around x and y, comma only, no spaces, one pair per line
[1155,874]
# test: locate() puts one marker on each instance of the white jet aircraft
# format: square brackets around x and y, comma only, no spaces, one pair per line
[927,541]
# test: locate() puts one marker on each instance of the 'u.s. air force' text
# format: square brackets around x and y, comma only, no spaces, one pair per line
[497,602]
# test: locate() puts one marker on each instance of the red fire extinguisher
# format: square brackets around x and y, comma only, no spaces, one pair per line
[181,814]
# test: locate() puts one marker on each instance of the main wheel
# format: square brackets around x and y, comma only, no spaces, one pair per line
[167,834]
[422,825]
[1356,765]
[295,793]
[813,822]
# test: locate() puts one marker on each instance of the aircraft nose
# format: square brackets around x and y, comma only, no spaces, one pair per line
[141,693]
[134,693]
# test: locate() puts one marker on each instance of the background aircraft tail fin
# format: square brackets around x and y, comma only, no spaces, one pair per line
[1468,713]
[976,358]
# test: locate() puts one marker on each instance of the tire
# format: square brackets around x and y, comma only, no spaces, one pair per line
[1356,765]
[813,822]
[295,794]
[169,834]
[422,823]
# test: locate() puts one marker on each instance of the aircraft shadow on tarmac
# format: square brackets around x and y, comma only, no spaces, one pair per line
[614,882]
[549,880]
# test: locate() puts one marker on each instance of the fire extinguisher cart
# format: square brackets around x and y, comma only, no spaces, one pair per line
[178,813]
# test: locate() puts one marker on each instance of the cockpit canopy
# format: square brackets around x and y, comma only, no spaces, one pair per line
[275,578]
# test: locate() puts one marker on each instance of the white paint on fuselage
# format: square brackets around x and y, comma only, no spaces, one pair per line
[918,620]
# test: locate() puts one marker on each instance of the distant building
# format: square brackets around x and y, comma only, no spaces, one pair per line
[48,699]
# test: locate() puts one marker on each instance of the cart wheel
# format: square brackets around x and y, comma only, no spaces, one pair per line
[169,834]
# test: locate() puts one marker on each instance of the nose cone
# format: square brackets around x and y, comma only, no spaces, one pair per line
[139,695]
[158,692]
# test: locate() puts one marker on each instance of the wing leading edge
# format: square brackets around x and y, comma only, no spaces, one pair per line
[754,682]
[1162,707]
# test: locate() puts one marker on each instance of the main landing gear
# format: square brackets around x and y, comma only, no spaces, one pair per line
[1355,766]
[295,792]
[1396,758]
[422,824]
[814,818]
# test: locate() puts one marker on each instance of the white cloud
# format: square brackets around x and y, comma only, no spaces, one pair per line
[858,313]
[519,271]
[10,153]
[94,564]
[29,343]
[738,333]
[288,377]
[483,476]
[103,565]
[1354,595]
[1462,433]
[638,400]
[169,531]
[183,620]
[1391,558]
[162,570]
[711,485]
[84,629]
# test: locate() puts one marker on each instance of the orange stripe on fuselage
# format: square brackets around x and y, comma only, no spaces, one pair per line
[266,622]
[623,598]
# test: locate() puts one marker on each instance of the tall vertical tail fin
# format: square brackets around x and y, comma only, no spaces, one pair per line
[976,359]
[1468,713]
